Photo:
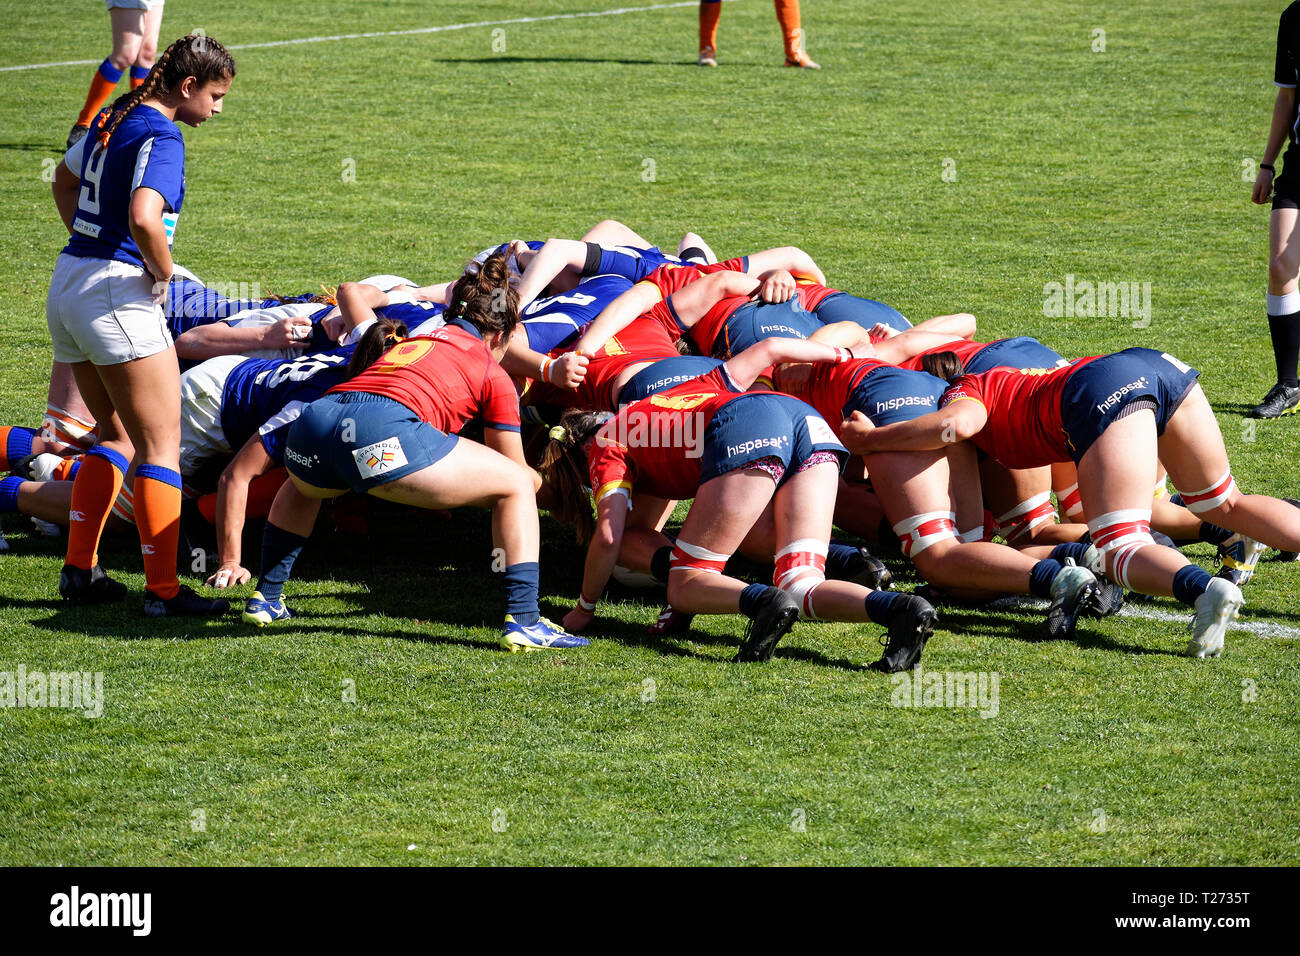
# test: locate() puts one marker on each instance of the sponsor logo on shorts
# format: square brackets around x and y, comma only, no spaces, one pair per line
[903,401]
[820,431]
[744,448]
[379,458]
[1114,397]
[766,331]
[305,460]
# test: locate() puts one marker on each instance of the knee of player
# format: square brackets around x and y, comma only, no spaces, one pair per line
[147,53]
[1283,266]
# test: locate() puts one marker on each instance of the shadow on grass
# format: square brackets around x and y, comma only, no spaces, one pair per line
[51,147]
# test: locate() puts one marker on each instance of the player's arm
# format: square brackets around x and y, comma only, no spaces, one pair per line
[692,302]
[960,325]
[146,224]
[913,342]
[232,506]
[66,188]
[1283,113]
[602,555]
[434,293]
[955,422]
[790,258]
[742,369]
[566,371]
[617,316]
[222,338]
[846,335]
[555,258]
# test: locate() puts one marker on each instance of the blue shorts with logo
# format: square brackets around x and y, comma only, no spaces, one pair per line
[765,425]
[755,321]
[1096,395]
[360,441]
[663,374]
[843,307]
[1021,351]
[888,395]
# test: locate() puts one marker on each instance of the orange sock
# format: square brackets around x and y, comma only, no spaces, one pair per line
[709,14]
[158,519]
[787,14]
[101,88]
[93,492]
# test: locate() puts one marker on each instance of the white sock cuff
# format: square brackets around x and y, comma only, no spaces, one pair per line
[1285,304]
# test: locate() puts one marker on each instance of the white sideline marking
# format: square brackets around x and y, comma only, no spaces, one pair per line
[1258,628]
[397,33]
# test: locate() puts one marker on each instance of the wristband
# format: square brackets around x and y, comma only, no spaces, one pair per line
[1268,166]
[842,356]
[584,604]
[546,370]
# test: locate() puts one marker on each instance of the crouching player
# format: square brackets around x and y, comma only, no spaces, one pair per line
[736,453]
[391,432]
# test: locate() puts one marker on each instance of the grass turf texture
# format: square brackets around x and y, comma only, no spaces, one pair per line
[1123,165]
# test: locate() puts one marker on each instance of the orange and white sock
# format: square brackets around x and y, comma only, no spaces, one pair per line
[93,491]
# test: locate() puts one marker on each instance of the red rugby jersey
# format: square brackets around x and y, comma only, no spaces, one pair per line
[656,445]
[1025,427]
[642,341]
[447,378]
[965,351]
[829,387]
[670,279]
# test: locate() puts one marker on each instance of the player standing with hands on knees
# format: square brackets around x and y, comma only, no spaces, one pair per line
[119,191]
[1283,234]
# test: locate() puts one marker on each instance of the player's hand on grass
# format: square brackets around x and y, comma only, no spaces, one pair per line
[1263,187]
[228,575]
[569,370]
[578,620]
[292,332]
[776,286]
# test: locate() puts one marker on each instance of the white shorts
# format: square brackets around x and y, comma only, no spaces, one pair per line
[202,436]
[134,4]
[102,311]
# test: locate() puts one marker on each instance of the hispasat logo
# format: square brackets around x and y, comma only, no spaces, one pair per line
[76,909]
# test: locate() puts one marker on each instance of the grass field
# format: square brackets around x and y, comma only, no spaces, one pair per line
[1116,165]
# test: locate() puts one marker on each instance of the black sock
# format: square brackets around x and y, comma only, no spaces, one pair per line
[694,254]
[659,564]
[1285,331]
[1212,533]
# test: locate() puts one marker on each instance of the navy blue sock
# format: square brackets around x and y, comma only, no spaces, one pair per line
[749,599]
[18,444]
[1072,550]
[521,592]
[1041,577]
[839,561]
[1190,583]
[279,551]
[880,605]
[139,72]
[1212,533]
[660,563]
[9,494]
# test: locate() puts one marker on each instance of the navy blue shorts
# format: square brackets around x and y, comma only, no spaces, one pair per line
[1096,395]
[765,425]
[843,307]
[1021,351]
[360,441]
[755,321]
[663,374]
[888,395]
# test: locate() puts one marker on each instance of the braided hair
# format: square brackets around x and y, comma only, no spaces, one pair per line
[194,55]
[484,297]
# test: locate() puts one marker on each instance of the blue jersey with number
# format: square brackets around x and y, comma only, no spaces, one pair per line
[145,151]
[424,316]
[557,319]
[266,395]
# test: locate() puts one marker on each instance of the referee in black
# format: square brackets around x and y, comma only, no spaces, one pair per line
[1283,234]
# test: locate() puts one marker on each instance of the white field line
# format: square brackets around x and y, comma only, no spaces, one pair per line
[1258,628]
[618,11]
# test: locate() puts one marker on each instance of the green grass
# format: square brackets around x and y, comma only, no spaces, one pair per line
[1115,166]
